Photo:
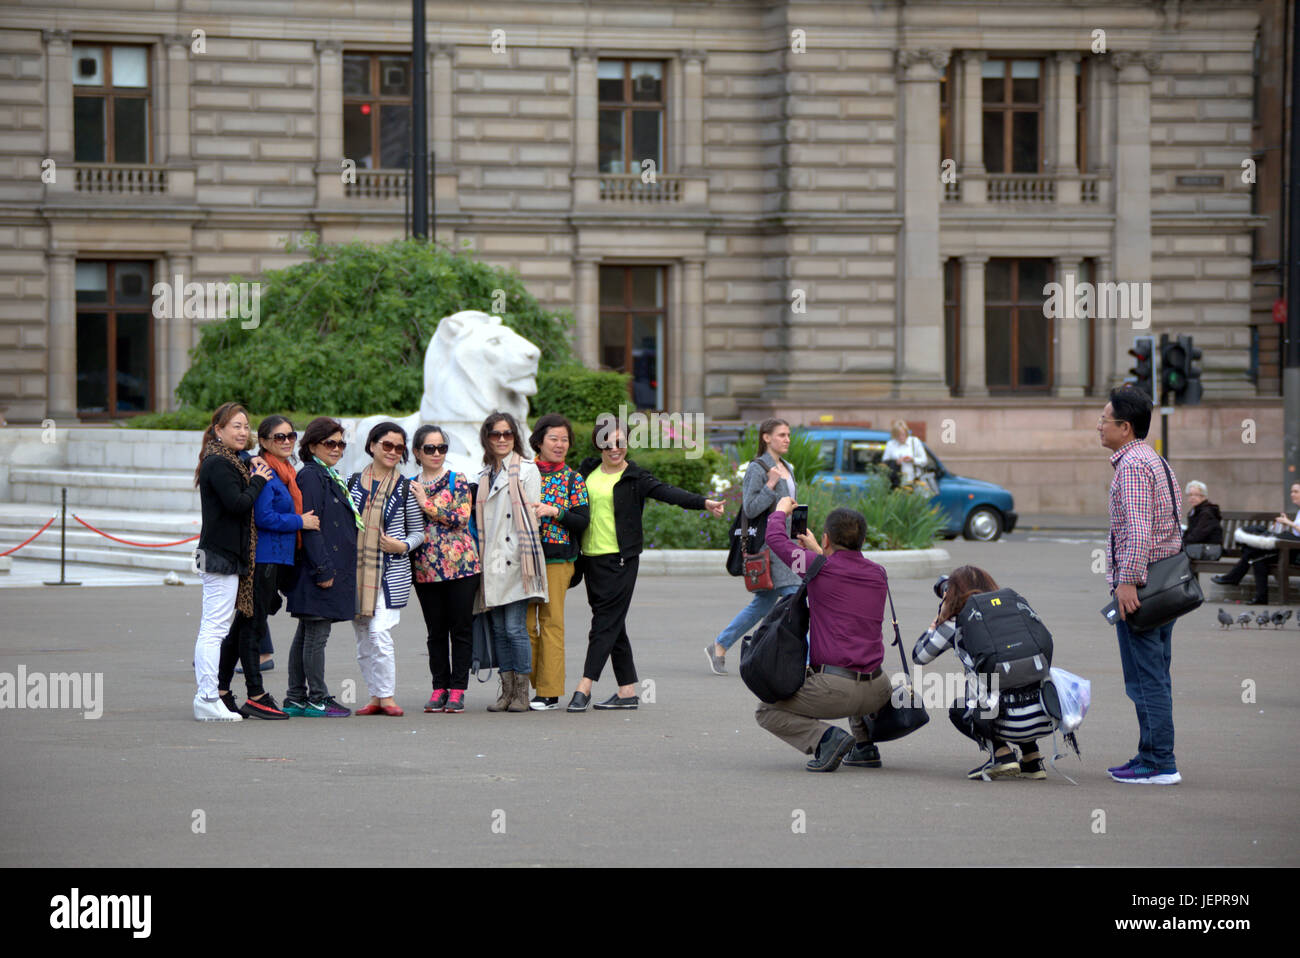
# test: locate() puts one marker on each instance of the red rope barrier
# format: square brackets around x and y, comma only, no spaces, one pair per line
[126,542]
[33,536]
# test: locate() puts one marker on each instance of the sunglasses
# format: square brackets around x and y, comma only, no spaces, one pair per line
[332,444]
[430,449]
[396,447]
[501,434]
[284,437]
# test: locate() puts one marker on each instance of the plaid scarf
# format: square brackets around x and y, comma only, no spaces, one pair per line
[347,496]
[532,561]
[370,558]
[244,600]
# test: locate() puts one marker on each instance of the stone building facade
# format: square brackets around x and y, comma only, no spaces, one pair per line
[846,210]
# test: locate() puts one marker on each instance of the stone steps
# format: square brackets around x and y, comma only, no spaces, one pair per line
[20,520]
[169,491]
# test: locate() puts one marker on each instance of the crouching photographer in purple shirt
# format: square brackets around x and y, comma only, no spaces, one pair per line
[846,606]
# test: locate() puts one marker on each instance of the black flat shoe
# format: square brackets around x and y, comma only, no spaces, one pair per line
[830,753]
[1224,580]
[579,702]
[614,702]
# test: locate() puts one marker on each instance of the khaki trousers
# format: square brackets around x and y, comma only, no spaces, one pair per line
[795,720]
[546,631]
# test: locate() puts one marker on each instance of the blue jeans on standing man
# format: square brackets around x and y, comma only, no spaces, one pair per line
[759,606]
[1145,657]
[510,637]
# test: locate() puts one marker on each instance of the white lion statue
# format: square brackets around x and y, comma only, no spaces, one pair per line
[474,365]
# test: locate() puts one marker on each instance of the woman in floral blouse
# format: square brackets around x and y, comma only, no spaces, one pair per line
[561,519]
[446,569]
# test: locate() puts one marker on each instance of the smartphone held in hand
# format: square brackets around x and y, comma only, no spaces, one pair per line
[798,521]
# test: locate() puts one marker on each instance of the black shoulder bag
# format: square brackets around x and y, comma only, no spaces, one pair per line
[1171,588]
[893,721]
[740,538]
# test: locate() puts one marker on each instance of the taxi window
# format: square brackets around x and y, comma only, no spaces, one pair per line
[861,454]
[827,452]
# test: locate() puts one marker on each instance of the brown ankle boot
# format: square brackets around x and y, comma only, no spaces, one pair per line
[519,701]
[506,695]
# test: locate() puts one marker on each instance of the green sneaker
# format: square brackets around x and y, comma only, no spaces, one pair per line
[296,709]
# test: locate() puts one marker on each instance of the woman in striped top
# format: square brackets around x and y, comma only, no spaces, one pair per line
[1021,718]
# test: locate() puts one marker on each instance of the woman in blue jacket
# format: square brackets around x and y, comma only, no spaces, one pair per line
[277,515]
[325,591]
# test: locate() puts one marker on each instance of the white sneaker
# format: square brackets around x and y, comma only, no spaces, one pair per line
[213,711]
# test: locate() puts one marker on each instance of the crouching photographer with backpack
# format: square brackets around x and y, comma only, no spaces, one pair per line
[1006,652]
[846,606]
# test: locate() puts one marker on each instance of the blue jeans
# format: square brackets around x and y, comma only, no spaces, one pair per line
[1145,657]
[510,637]
[759,606]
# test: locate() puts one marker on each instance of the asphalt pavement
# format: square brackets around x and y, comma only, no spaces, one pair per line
[689,779]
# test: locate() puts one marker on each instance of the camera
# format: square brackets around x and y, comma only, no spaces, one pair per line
[941,586]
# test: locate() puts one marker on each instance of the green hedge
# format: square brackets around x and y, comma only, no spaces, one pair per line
[577,392]
[347,329]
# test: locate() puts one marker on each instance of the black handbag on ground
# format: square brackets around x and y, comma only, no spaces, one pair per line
[1171,588]
[774,660]
[892,721]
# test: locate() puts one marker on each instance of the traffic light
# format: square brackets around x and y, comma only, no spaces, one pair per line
[1141,372]
[1178,371]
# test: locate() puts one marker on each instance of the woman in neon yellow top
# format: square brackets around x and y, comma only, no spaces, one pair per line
[617,489]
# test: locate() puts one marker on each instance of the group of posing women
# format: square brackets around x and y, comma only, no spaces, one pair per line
[506,544]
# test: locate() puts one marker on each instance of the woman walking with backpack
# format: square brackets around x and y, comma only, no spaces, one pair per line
[768,479]
[446,568]
[1021,718]
[392,525]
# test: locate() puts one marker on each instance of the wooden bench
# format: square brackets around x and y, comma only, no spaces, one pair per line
[1231,522]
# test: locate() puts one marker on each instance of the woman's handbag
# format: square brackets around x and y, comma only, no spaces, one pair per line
[1204,551]
[758,571]
[894,721]
[774,660]
[484,654]
[1171,588]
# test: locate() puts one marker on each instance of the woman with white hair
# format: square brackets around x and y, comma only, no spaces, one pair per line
[1204,524]
[906,450]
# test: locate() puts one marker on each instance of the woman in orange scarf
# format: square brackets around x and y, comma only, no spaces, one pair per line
[280,521]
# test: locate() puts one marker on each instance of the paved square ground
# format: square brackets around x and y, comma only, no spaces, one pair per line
[687,780]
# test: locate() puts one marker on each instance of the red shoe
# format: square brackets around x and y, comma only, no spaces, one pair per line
[369,710]
[392,710]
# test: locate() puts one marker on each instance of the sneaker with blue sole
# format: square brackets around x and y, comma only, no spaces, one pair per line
[1145,775]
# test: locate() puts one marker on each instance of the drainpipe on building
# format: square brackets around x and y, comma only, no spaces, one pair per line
[1291,372]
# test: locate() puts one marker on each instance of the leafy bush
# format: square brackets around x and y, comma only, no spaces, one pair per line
[896,519]
[666,526]
[578,392]
[805,452]
[195,418]
[347,329]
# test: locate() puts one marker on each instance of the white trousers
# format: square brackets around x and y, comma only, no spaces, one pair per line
[375,648]
[219,595]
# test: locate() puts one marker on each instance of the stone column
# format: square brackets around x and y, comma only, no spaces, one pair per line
[181,338]
[693,367]
[692,111]
[1132,238]
[58,112]
[919,369]
[446,182]
[971,106]
[1069,332]
[1065,143]
[329,142]
[1101,121]
[585,110]
[971,362]
[1108,372]
[181,168]
[586,310]
[162,380]
[62,339]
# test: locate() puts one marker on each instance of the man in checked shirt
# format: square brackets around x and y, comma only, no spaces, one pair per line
[1144,507]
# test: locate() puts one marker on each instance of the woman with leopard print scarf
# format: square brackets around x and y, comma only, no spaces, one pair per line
[227,547]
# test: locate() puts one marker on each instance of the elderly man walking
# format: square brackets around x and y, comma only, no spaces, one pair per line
[1144,510]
